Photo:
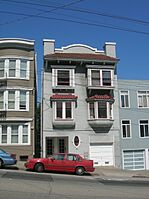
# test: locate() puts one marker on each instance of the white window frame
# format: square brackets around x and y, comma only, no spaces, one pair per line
[109,116]
[124,94]
[146,94]
[55,76]
[144,137]
[64,110]
[126,128]
[20,133]
[17,68]
[89,72]
[16,100]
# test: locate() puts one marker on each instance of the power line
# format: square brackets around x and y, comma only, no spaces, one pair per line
[76,9]
[110,26]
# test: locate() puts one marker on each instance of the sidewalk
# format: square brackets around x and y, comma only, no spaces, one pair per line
[112,173]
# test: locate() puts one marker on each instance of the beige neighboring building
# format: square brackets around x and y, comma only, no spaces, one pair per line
[17,96]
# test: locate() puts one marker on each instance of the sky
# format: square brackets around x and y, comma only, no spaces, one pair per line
[89,22]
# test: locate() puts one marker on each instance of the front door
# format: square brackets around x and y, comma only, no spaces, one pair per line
[49,146]
[62,147]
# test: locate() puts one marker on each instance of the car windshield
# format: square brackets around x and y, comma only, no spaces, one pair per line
[2,151]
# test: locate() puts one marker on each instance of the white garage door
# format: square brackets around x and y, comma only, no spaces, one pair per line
[133,160]
[102,154]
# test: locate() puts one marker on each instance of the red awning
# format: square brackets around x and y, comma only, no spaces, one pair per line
[65,97]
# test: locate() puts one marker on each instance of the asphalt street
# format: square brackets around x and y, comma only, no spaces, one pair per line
[31,185]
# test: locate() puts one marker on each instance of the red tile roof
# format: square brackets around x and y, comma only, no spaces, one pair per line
[59,96]
[82,56]
[100,97]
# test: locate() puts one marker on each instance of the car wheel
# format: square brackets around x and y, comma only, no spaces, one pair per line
[39,167]
[80,171]
[1,163]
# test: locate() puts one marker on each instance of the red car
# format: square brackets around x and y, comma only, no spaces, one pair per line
[62,162]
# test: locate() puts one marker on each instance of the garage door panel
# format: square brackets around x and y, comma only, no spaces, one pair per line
[133,160]
[101,154]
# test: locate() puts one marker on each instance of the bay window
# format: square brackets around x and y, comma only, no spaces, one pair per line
[64,110]
[100,110]
[14,68]
[14,100]
[14,133]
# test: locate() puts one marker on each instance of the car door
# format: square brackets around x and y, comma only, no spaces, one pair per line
[56,162]
[70,163]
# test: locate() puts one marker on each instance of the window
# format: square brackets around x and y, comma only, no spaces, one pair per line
[63,77]
[71,157]
[25,134]
[11,99]
[125,125]
[95,75]
[143,99]
[59,111]
[59,157]
[100,110]
[100,77]
[4,134]
[23,100]
[62,146]
[23,69]
[92,110]
[106,75]
[144,128]
[68,109]
[2,68]
[14,100]
[14,133]
[1,99]
[64,110]
[124,99]
[12,68]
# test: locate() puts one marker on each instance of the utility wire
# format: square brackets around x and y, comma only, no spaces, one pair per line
[74,21]
[76,9]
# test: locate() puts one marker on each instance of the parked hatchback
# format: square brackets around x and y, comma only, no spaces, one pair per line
[62,162]
[6,158]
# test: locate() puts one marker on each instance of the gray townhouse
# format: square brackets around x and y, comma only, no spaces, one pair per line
[80,112]
[17,96]
[134,123]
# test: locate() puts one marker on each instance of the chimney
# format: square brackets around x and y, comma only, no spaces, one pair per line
[49,46]
[110,49]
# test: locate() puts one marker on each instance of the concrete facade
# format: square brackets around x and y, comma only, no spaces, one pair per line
[135,114]
[80,133]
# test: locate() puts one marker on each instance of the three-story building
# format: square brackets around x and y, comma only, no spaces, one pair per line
[17,96]
[80,102]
